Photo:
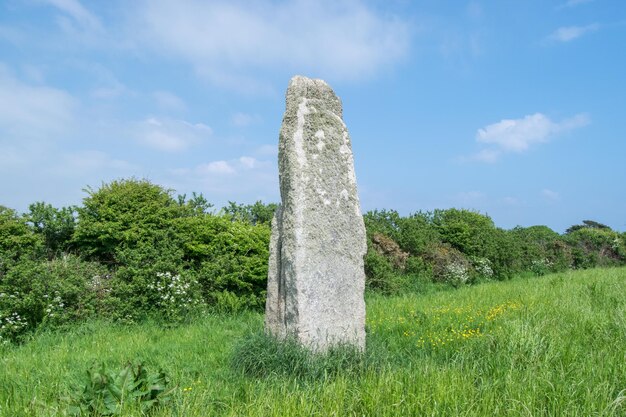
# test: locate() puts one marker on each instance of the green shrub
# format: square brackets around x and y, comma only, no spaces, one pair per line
[143,234]
[449,265]
[123,215]
[230,259]
[56,226]
[257,213]
[386,222]
[17,240]
[417,232]
[504,255]
[541,249]
[53,293]
[469,232]
[416,265]
[379,272]
[593,247]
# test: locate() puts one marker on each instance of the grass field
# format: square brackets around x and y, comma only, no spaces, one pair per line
[546,346]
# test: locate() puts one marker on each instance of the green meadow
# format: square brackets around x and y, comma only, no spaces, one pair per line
[543,346]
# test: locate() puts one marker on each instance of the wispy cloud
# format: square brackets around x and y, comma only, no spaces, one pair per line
[469,197]
[572,3]
[550,195]
[88,161]
[215,167]
[518,135]
[244,119]
[169,101]
[170,135]
[240,179]
[234,166]
[28,111]
[80,15]
[569,33]
[233,43]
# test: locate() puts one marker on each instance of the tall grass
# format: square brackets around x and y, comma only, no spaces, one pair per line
[549,346]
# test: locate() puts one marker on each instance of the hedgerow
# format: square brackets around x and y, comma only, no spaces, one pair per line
[133,251]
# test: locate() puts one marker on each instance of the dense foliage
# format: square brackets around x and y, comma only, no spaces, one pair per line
[133,251]
[462,246]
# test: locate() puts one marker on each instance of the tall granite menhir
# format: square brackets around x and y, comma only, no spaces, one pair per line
[316,279]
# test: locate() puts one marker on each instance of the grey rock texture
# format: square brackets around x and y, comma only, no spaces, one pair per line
[316,281]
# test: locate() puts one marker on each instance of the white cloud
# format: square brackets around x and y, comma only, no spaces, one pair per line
[248,162]
[242,179]
[168,101]
[518,135]
[215,167]
[78,13]
[267,150]
[234,166]
[469,197]
[510,201]
[92,160]
[113,90]
[28,111]
[486,155]
[170,135]
[550,195]
[569,33]
[572,3]
[233,43]
[244,119]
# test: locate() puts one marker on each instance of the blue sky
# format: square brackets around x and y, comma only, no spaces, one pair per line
[516,109]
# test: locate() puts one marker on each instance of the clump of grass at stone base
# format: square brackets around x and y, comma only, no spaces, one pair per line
[260,355]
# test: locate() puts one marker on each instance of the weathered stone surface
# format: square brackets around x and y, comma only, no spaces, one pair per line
[316,279]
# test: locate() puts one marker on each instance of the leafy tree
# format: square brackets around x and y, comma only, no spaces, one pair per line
[257,213]
[197,204]
[56,226]
[468,231]
[121,215]
[383,221]
[593,247]
[540,245]
[17,240]
[417,233]
[587,224]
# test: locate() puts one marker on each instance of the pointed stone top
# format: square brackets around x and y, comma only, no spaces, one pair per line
[313,89]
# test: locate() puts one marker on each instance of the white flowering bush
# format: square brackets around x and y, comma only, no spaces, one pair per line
[175,295]
[11,325]
[456,273]
[49,293]
[449,265]
[541,266]
[482,266]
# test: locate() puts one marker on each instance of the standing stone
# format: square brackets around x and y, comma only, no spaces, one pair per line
[316,279]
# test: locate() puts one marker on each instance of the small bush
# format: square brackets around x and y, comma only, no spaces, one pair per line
[17,240]
[51,292]
[380,274]
[449,265]
[541,267]
[230,259]
[482,266]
